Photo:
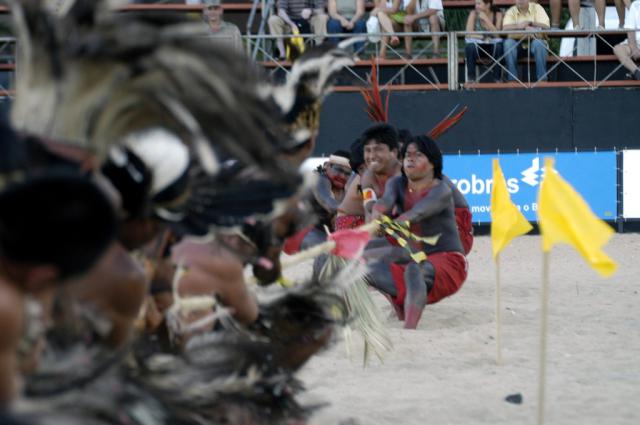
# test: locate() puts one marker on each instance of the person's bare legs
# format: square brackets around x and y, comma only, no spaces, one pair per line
[416,297]
[386,27]
[621,9]
[600,6]
[555,7]
[408,40]
[383,46]
[574,11]
[623,52]
[434,26]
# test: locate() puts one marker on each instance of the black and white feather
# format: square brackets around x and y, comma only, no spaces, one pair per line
[92,77]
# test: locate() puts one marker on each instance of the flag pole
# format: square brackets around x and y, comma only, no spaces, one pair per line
[544,313]
[498,320]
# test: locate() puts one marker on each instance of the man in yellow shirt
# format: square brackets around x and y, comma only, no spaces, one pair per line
[530,17]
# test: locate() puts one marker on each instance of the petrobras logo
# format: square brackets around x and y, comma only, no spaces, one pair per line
[531,176]
[593,174]
[479,186]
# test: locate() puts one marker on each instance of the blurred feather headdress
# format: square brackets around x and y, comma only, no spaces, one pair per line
[91,77]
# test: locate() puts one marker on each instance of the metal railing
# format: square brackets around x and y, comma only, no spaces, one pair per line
[421,65]
[264,45]
[7,65]
[526,39]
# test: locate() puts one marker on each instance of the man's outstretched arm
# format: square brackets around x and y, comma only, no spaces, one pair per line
[384,205]
[438,198]
[323,195]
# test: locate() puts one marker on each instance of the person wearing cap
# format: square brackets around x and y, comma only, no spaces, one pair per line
[222,31]
[325,198]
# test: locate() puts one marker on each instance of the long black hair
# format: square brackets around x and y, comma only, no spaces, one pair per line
[59,218]
[427,146]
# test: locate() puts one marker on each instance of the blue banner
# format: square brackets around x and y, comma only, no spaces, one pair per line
[592,174]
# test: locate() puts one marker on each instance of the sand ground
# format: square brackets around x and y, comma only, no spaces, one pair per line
[445,372]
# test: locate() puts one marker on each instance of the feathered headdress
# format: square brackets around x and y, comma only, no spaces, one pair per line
[447,122]
[92,78]
[376,111]
[380,113]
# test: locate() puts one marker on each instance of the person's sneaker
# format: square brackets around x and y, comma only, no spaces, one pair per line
[600,28]
[555,27]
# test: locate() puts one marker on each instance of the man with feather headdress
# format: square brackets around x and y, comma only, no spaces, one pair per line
[41,252]
[107,86]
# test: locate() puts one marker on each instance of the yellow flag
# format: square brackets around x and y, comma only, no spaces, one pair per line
[565,217]
[296,42]
[507,222]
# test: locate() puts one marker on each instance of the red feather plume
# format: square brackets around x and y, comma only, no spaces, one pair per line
[447,122]
[376,111]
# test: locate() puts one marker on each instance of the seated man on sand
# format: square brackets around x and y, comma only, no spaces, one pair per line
[411,285]
[324,197]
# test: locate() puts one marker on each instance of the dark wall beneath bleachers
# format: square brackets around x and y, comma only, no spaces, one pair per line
[506,119]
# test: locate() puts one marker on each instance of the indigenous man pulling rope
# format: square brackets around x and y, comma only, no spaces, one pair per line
[425,204]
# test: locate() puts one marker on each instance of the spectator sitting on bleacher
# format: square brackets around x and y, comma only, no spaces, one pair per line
[627,51]
[222,32]
[429,14]
[485,17]
[390,15]
[528,16]
[304,16]
[345,16]
[575,6]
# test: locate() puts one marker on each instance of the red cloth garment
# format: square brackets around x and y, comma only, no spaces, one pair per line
[349,222]
[465,228]
[349,243]
[451,272]
[292,244]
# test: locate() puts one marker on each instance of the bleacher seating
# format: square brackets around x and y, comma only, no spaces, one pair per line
[421,73]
